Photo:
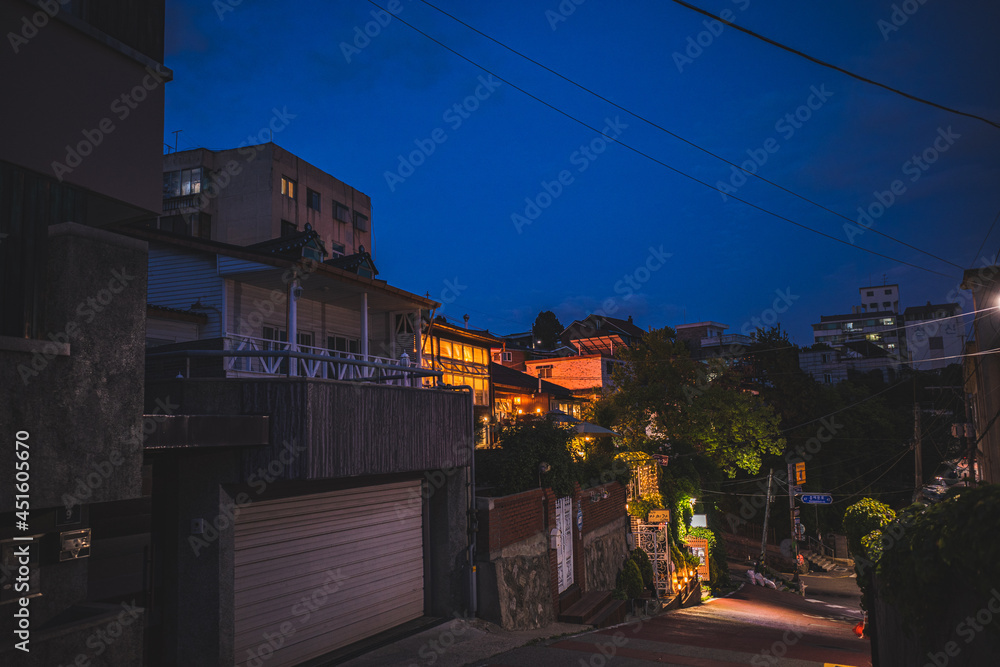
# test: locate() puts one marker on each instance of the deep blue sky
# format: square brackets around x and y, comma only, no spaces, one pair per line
[451,219]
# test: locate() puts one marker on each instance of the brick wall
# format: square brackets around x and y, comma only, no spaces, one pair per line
[580,372]
[515,518]
[596,514]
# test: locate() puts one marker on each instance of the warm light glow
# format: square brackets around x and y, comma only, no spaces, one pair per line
[538,409]
[520,411]
[517,400]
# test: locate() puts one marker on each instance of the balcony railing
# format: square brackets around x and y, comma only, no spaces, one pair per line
[187,202]
[250,356]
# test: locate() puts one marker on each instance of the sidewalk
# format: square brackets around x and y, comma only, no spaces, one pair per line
[457,643]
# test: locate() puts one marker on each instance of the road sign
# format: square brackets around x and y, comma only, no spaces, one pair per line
[817,498]
[800,473]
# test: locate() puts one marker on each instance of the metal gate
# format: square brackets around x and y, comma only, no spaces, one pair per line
[564,550]
[654,540]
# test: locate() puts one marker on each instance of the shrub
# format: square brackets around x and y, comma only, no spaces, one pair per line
[629,579]
[645,565]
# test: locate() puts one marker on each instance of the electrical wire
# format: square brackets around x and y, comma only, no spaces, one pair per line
[823,63]
[683,139]
[654,159]
[867,398]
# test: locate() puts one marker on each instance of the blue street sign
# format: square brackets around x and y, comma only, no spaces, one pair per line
[817,498]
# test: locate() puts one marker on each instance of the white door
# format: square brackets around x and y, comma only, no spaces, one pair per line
[317,572]
[564,554]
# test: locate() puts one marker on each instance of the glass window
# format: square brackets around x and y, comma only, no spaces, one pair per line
[888,291]
[312,199]
[467,355]
[288,187]
[341,212]
[361,221]
[479,355]
[172,184]
[446,351]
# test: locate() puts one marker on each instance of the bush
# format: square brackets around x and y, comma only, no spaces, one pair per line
[640,507]
[514,467]
[629,579]
[645,565]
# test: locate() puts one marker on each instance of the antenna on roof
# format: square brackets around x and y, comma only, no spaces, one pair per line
[175,133]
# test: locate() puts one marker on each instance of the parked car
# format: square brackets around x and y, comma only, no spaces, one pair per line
[934,493]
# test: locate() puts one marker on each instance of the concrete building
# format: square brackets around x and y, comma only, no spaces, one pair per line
[707,340]
[935,335]
[80,156]
[982,370]
[252,194]
[879,299]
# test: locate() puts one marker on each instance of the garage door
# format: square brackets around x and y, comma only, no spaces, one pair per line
[317,572]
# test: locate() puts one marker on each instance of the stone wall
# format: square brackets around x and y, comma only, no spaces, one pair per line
[514,585]
[604,549]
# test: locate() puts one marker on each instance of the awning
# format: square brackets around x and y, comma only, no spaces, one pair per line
[586,428]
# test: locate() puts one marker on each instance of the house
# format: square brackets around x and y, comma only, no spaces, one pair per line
[348,515]
[830,365]
[935,335]
[706,340]
[599,334]
[518,394]
[257,193]
[71,322]
[462,356]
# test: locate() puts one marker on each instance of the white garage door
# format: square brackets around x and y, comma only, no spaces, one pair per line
[317,572]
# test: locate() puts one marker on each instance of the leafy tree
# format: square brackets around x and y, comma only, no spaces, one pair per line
[514,467]
[547,329]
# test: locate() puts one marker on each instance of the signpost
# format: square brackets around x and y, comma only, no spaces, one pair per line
[817,498]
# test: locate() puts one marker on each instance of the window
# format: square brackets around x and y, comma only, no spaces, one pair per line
[825,358]
[544,371]
[871,293]
[888,291]
[826,378]
[304,339]
[288,228]
[848,326]
[341,212]
[873,306]
[312,199]
[887,321]
[936,342]
[288,187]
[506,356]
[343,344]
[198,225]
[361,221]
[183,182]
[886,305]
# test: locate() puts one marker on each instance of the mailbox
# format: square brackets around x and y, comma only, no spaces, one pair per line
[555,539]
[74,544]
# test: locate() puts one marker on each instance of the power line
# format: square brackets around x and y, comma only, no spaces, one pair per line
[867,398]
[650,157]
[835,67]
[686,141]
[985,238]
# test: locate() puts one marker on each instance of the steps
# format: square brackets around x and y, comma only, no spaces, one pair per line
[822,562]
[596,608]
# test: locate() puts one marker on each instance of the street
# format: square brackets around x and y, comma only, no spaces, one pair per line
[755,626]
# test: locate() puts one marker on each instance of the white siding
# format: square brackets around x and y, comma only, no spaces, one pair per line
[178,279]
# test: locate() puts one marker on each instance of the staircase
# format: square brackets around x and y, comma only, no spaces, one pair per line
[596,608]
[822,562]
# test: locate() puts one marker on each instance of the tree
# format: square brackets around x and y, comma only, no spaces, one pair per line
[547,329]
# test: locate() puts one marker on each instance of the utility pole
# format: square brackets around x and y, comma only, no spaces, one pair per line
[918,458]
[792,481]
[767,512]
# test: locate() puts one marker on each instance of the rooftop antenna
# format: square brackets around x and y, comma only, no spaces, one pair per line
[175,133]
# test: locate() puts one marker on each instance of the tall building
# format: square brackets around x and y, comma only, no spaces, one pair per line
[80,156]
[257,193]
[935,335]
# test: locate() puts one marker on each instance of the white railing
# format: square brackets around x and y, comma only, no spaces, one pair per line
[318,362]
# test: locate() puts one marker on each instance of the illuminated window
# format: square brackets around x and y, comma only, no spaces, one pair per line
[446,351]
[288,187]
[467,354]
[887,321]
[183,182]
[479,355]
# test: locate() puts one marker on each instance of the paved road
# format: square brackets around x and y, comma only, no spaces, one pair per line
[755,626]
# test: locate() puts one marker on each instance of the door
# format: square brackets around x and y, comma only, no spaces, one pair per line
[316,572]
[564,552]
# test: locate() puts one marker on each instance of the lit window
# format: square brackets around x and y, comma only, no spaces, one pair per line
[544,371]
[446,351]
[361,221]
[887,321]
[468,354]
[288,187]
[183,182]
[312,199]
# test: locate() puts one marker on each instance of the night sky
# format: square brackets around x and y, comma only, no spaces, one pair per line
[450,226]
